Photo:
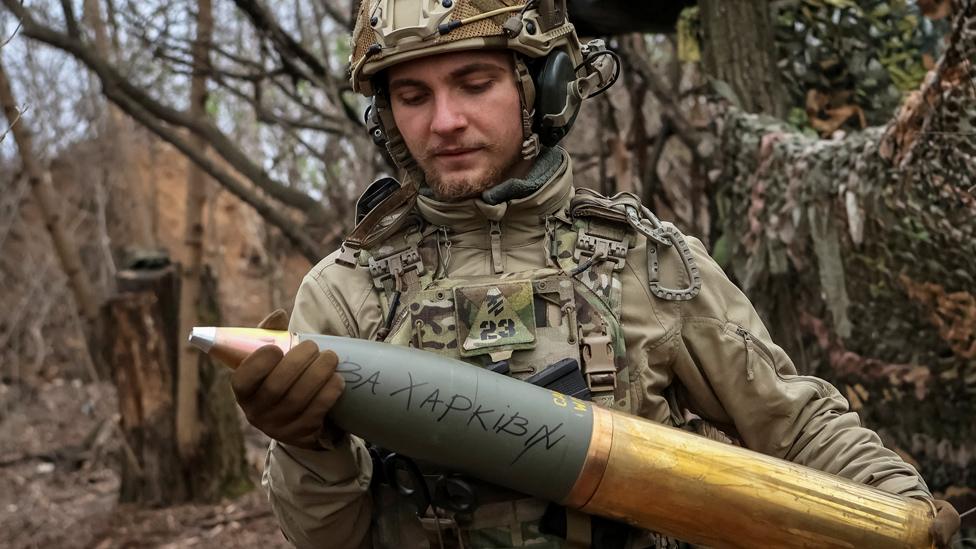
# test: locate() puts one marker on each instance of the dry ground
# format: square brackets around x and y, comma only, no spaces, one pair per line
[58,481]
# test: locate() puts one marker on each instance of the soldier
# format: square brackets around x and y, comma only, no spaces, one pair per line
[470,97]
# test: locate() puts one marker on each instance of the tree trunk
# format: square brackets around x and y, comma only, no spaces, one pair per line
[46,198]
[740,51]
[861,255]
[214,455]
[127,194]
[142,350]
[187,411]
[220,469]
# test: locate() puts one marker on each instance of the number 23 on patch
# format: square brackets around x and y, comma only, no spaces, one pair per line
[491,331]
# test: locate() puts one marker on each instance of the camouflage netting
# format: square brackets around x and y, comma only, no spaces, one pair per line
[851,61]
[866,246]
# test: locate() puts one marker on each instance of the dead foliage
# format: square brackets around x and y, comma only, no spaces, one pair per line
[953,313]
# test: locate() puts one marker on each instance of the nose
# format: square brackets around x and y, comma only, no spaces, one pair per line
[448,116]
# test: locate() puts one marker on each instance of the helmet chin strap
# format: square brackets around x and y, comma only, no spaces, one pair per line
[526,90]
[384,132]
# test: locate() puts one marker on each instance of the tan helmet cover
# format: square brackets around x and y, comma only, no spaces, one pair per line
[388,32]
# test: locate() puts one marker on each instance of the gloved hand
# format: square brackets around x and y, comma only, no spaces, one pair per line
[287,396]
[946,523]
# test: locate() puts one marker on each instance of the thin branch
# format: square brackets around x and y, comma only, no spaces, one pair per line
[20,114]
[290,50]
[71,22]
[333,11]
[12,35]
[287,47]
[26,107]
[332,123]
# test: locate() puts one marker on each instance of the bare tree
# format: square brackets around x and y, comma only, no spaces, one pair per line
[46,199]
[18,111]
[123,190]
[276,201]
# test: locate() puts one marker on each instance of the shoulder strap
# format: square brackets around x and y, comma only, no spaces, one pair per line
[363,235]
[374,195]
[384,215]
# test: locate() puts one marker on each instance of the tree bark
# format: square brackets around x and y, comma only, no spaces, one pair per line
[603,17]
[46,198]
[140,324]
[740,51]
[187,411]
[220,469]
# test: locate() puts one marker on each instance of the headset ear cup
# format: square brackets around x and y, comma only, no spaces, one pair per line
[374,127]
[552,96]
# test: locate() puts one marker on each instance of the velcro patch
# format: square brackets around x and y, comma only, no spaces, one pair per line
[495,317]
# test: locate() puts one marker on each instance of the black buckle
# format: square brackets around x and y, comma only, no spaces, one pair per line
[394,266]
[598,247]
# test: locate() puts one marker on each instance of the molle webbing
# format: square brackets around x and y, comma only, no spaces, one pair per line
[593,248]
[399,270]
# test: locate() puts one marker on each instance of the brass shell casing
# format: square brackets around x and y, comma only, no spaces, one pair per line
[630,469]
[698,490]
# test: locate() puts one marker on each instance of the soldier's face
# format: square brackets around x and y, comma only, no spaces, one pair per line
[459,114]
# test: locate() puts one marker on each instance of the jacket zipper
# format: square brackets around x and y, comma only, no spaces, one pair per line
[747,336]
[753,342]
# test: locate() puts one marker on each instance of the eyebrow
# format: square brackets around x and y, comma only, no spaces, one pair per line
[457,73]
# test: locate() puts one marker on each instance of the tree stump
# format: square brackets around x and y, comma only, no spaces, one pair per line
[141,348]
[140,355]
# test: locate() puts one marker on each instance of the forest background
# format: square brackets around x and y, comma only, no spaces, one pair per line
[169,164]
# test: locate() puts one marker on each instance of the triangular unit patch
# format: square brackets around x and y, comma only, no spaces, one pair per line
[495,316]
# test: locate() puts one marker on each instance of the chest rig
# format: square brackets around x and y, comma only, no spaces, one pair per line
[522,322]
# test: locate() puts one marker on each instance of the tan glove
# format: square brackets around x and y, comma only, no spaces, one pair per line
[946,523]
[287,396]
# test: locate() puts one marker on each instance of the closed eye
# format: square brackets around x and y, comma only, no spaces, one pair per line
[477,87]
[412,98]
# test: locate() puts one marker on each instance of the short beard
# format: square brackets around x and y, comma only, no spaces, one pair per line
[464,189]
[456,191]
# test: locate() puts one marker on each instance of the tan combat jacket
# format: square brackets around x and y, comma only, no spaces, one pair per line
[713,351]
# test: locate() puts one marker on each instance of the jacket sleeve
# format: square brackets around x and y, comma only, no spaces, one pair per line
[735,374]
[320,497]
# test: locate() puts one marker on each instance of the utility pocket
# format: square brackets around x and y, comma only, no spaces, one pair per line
[432,321]
[754,345]
[759,355]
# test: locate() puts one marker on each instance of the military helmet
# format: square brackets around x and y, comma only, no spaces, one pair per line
[549,57]
[388,32]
